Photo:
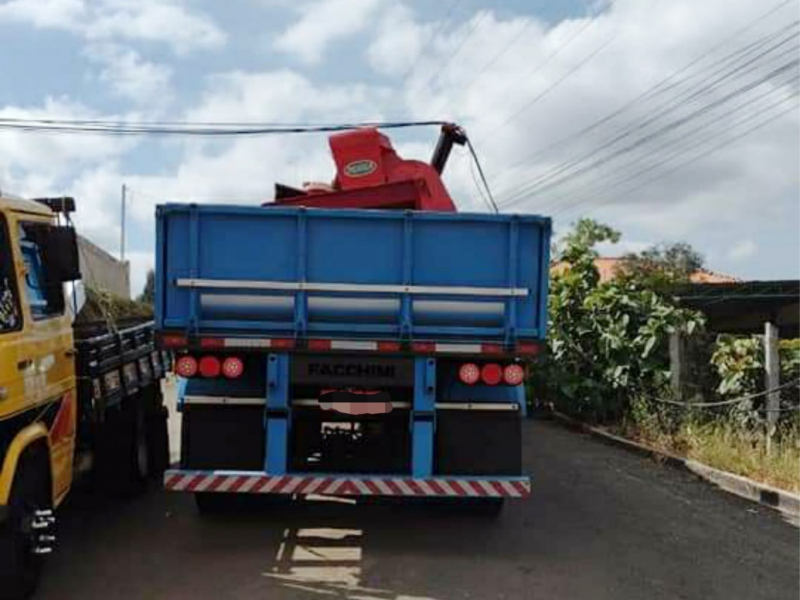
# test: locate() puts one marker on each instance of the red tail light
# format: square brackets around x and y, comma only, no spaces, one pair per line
[469,373]
[513,374]
[232,367]
[492,373]
[209,366]
[186,366]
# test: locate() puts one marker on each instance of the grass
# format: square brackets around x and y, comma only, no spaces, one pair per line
[727,447]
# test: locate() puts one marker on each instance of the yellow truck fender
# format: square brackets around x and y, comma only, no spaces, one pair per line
[29,435]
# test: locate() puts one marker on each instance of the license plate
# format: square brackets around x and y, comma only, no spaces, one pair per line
[351,402]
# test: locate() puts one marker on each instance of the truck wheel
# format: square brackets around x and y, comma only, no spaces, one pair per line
[25,536]
[158,441]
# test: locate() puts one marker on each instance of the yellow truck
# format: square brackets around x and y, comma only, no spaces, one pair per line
[74,399]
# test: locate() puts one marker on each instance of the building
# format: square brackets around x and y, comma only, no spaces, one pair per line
[102,271]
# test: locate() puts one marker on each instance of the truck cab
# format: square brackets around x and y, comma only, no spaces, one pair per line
[73,398]
[37,376]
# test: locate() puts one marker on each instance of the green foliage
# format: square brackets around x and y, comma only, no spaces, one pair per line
[148,294]
[607,341]
[105,306]
[662,266]
[739,362]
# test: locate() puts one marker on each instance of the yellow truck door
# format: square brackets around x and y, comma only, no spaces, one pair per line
[45,375]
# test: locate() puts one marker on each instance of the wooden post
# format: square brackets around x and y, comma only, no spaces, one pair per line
[677,364]
[772,377]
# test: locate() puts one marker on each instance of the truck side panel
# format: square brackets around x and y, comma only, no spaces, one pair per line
[366,274]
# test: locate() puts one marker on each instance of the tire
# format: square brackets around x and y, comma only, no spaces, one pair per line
[158,441]
[20,567]
[123,453]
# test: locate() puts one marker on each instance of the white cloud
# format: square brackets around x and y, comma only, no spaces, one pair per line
[164,21]
[61,14]
[519,101]
[744,249]
[323,22]
[398,41]
[130,76]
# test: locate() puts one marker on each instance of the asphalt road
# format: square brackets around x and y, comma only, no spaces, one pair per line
[602,523]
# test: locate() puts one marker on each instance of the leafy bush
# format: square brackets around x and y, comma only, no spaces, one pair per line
[607,341]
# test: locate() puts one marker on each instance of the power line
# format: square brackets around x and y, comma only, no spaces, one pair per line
[690,160]
[191,129]
[670,126]
[655,89]
[675,143]
[683,152]
[672,105]
[574,69]
[437,75]
[572,167]
[430,39]
[492,203]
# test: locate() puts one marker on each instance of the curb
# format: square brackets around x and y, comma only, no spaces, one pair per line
[743,487]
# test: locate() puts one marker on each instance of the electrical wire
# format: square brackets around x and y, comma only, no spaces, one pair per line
[571,71]
[437,75]
[677,151]
[692,159]
[430,39]
[492,203]
[529,189]
[190,129]
[673,105]
[570,168]
[656,89]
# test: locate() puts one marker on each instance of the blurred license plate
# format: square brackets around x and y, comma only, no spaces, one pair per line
[356,402]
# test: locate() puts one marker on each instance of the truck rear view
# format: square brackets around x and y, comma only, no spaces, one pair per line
[352,351]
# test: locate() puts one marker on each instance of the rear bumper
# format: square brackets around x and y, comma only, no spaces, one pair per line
[252,482]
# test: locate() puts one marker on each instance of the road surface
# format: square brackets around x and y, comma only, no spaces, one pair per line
[602,523]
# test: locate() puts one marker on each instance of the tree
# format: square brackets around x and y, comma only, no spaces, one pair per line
[606,341]
[662,266]
[148,294]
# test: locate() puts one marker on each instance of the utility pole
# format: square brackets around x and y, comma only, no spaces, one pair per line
[772,379]
[122,224]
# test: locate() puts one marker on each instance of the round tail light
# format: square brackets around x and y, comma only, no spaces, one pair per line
[209,366]
[186,366]
[513,374]
[232,367]
[492,374]
[469,373]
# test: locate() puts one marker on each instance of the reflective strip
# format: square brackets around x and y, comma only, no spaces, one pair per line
[459,348]
[300,286]
[477,406]
[223,400]
[254,483]
[247,343]
[353,345]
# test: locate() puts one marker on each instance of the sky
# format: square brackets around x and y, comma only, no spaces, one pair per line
[671,120]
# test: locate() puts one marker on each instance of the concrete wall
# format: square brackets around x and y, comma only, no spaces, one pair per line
[102,271]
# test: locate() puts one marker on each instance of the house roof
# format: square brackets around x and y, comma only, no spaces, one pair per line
[607,267]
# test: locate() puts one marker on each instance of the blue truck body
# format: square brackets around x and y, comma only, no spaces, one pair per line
[460,271]
[429,291]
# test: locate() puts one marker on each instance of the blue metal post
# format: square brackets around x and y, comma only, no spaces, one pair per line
[423,417]
[277,415]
